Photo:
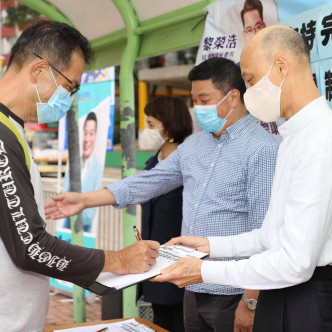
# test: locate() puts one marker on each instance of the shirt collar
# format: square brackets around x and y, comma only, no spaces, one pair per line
[236,128]
[9,113]
[302,117]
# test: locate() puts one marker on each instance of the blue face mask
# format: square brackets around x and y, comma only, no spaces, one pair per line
[57,106]
[207,116]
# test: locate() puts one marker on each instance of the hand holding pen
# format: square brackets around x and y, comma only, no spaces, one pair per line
[137,234]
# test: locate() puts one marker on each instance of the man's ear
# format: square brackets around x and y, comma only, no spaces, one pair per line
[282,65]
[234,97]
[37,69]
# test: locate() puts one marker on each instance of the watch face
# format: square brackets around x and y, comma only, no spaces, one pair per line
[252,304]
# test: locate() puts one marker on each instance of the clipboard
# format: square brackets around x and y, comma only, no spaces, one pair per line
[108,283]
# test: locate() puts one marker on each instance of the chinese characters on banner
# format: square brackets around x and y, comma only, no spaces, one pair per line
[231,24]
[315,26]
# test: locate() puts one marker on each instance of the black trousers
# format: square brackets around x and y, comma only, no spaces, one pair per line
[168,316]
[306,307]
[208,312]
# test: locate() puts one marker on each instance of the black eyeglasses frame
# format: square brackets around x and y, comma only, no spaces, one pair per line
[76,87]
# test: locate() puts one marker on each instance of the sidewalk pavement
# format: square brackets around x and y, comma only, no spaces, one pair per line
[61,310]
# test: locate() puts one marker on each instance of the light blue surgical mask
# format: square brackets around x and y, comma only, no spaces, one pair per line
[57,106]
[207,116]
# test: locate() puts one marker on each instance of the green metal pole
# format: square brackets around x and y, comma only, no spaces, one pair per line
[127,132]
[76,222]
[47,10]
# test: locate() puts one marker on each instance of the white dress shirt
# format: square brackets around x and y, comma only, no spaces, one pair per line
[296,235]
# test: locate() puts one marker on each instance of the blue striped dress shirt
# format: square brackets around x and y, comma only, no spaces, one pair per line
[227,183]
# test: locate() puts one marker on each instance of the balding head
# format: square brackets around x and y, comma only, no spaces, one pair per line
[279,39]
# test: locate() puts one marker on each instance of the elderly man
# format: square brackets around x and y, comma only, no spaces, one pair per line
[290,256]
[43,74]
[226,171]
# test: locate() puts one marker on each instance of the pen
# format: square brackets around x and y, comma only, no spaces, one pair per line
[104,329]
[137,234]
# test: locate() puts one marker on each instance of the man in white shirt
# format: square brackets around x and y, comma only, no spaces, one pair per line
[290,257]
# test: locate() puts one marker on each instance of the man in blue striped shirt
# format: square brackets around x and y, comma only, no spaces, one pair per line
[226,171]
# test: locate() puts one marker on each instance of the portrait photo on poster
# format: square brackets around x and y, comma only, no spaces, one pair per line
[231,24]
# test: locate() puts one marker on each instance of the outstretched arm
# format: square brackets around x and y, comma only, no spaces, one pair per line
[71,203]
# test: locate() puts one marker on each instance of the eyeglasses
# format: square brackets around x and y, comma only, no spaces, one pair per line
[255,29]
[76,87]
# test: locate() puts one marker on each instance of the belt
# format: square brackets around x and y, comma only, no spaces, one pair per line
[322,273]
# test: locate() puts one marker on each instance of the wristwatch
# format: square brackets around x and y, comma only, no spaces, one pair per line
[250,303]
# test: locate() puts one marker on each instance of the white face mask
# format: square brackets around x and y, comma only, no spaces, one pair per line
[263,99]
[151,139]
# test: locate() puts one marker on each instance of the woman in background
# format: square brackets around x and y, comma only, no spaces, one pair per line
[168,124]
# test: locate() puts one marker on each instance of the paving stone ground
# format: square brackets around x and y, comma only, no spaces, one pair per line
[61,310]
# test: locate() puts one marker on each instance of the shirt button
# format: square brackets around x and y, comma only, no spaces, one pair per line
[219,145]
[212,164]
[191,228]
[196,204]
[204,185]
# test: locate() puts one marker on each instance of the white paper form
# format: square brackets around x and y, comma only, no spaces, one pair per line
[168,255]
[130,325]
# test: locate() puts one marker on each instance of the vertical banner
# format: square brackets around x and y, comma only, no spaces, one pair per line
[96,128]
[315,26]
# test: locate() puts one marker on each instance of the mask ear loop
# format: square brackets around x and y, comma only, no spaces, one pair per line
[53,77]
[224,98]
[268,73]
[37,93]
[228,113]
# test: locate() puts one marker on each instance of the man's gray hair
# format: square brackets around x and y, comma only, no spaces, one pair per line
[282,38]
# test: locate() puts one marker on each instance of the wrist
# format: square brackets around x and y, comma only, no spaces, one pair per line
[113,262]
[250,303]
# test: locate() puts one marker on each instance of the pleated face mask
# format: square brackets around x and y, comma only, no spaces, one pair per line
[262,100]
[207,116]
[57,106]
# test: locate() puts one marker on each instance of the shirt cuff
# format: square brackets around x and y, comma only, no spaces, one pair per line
[213,272]
[220,246]
[120,191]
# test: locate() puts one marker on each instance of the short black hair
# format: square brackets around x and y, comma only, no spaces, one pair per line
[91,117]
[54,41]
[252,5]
[224,74]
[174,114]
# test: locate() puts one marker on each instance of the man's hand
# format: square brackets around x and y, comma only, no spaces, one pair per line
[186,271]
[244,317]
[196,242]
[64,205]
[137,258]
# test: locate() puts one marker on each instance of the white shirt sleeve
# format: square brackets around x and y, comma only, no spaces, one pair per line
[242,245]
[297,244]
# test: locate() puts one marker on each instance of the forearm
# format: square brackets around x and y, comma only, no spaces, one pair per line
[98,198]
[112,261]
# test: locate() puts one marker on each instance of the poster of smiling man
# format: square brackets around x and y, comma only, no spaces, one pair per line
[231,24]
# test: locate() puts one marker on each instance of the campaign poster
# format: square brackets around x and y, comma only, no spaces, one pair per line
[96,124]
[231,24]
